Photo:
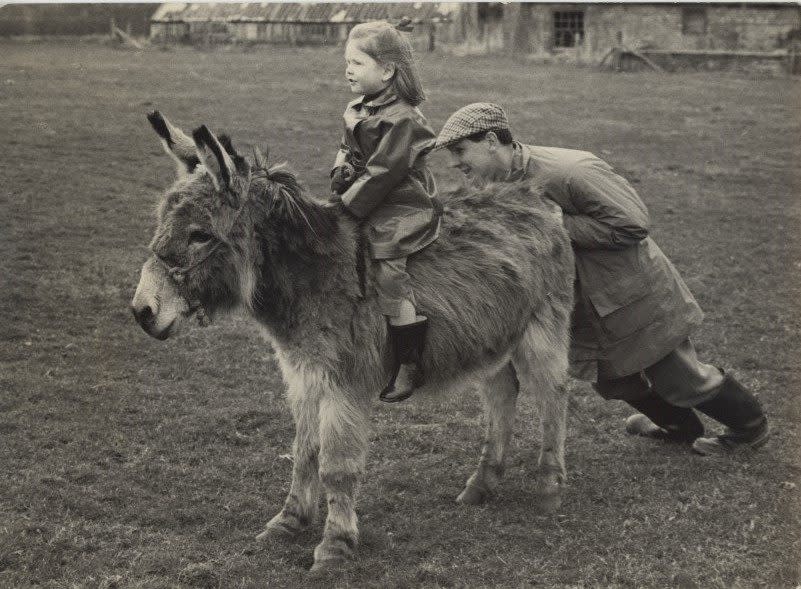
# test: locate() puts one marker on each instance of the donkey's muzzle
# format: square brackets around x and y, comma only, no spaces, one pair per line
[144,315]
[146,319]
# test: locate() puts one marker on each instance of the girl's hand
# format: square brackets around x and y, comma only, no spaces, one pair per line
[336,200]
[342,177]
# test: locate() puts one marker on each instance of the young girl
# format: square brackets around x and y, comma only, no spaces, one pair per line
[380,177]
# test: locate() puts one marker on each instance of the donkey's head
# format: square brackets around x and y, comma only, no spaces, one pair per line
[198,244]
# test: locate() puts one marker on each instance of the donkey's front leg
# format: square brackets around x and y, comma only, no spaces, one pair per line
[300,506]
[344,435]
[500,396]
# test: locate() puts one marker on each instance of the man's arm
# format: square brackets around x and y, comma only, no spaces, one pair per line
[608,212]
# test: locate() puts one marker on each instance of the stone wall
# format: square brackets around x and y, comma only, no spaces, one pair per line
[736,28]
[529,28]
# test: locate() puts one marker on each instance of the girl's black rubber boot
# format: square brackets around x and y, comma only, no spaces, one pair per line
[407,374]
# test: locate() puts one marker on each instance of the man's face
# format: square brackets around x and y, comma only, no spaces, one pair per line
[477,160]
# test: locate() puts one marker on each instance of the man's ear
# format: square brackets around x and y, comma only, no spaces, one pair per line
[389,71]
[492,140]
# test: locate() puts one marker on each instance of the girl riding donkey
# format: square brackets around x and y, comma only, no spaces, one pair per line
[379,177]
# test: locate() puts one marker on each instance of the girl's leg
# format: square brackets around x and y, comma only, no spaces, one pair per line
[395,296]
[406,329]
[406,314]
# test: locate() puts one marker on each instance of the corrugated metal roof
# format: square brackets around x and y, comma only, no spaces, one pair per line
[300,12]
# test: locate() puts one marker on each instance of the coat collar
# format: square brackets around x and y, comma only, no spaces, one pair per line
[385,97]
[520,160]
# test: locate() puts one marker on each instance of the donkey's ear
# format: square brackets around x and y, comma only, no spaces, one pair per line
[259,158]
[240,163]
[212,154]
[176,143]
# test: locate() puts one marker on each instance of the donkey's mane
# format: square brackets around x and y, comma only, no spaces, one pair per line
[280,174]
[304,223]
[286,182]
[302,219]
[283,185]
[304,246]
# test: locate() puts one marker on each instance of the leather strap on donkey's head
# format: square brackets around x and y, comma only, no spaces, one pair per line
[230,174]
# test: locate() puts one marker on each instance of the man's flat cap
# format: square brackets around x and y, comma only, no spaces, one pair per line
[471,119]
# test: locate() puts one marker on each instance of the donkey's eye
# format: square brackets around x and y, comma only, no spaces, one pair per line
[199,236]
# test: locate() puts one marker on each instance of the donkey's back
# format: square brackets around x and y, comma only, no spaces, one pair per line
[503,262]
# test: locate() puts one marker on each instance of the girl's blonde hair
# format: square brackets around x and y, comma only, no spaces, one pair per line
[384,43]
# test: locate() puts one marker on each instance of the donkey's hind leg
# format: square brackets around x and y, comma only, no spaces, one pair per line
[499,395]
[541,365]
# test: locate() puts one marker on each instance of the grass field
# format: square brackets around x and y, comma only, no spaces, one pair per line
[128,462]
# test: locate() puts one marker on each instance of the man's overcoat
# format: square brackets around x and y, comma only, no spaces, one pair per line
[632,307]
[385,140]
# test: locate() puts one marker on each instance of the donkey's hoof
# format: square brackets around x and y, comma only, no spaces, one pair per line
[334,552]
[474,495]
[274,534]
[281,527]
[329,565]
[548,490]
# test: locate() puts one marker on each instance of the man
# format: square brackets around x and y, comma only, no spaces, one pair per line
[633,314]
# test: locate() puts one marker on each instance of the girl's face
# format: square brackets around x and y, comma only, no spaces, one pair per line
[364,74]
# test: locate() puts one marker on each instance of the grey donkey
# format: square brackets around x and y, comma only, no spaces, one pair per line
[497,287]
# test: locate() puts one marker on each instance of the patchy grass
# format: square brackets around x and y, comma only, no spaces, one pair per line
[129,462]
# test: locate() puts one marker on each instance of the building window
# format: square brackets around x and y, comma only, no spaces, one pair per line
[316,29]
[568,28]
[693,20]
[490,11]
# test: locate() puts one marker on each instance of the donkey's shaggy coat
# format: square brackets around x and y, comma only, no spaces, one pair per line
[496,286]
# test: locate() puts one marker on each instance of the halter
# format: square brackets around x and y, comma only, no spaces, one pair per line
[178,273]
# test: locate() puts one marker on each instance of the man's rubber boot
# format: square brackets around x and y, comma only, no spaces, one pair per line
[657,418]
[660,420]
[407,374]
[736,408]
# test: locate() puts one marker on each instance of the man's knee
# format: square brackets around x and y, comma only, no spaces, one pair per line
[682,380]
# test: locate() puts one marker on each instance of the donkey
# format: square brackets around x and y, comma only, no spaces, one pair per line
[497,288]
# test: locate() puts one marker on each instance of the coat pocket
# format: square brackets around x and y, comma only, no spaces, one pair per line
[622,293]
[630,317]
[626,308]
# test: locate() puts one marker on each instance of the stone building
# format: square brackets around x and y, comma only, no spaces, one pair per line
[591,30]
[675,34]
